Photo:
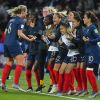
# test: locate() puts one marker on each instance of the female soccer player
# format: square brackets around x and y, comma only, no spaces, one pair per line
[92,51]
[12,48]
[81,69]
[65,84]
[31,29]
[76,70]
[56,36]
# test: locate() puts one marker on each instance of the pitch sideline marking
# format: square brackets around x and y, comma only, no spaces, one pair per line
[72,98]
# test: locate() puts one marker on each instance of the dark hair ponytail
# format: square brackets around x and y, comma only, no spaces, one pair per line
[92,16]
[77,17]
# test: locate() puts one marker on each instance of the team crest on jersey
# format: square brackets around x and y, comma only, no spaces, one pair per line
[96,31]
[22,26]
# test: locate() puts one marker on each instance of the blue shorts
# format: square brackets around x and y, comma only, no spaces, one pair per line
[81,58]
[52,55]
[32,57]
[12,50]
[60,57]
[71,59]
[1,48]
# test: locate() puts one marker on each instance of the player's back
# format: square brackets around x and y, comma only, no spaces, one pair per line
[13,26]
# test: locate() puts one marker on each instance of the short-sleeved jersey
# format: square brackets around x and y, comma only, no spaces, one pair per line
[91,48]
[15,24]
[33,46]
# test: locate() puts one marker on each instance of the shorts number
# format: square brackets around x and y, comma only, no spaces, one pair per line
[91,59]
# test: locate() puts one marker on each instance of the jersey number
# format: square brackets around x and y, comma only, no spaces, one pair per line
[9,28]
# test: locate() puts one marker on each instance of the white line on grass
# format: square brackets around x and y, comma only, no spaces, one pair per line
[72,98]
[62,96]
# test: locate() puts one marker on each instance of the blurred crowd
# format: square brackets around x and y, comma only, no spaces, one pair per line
[37,5]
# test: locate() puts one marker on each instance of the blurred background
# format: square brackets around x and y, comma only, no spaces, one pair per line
[37,5]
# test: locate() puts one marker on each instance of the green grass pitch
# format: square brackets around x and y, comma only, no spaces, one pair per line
[18,95]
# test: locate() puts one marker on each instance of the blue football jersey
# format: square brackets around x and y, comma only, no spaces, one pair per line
[91,48]
[15,24]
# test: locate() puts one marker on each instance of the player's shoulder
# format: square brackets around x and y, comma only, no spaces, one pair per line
[93,26]
[19,20]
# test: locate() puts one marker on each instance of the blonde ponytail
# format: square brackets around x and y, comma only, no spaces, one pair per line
[12,11]
[16,10]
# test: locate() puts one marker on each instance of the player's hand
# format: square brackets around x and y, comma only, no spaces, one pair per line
[86,39]
[43,37]
[32,38]
[60,42]
[51,36]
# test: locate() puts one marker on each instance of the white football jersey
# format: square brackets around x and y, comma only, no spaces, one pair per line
[71,52]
